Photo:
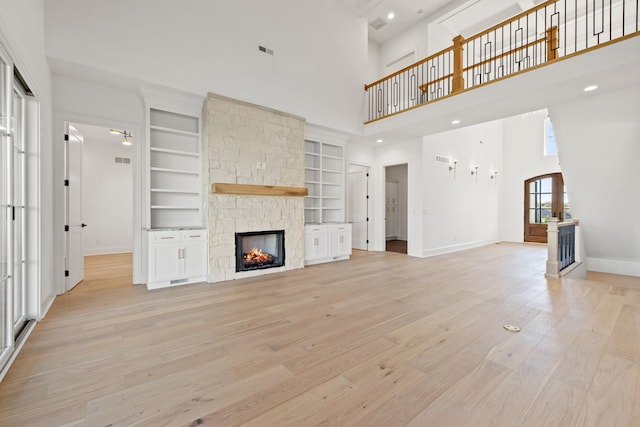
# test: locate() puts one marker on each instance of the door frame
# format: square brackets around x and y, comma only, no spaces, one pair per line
[557,205]
[74,268]
[369,199]
[407,189]
[139,198]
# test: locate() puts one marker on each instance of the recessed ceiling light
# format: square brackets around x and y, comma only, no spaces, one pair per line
[379,141]
[391,15]
[590,88]
[455,122]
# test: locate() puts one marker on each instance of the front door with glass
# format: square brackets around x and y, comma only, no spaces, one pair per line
[545,197]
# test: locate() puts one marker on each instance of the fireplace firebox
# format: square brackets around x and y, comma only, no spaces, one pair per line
[259,249]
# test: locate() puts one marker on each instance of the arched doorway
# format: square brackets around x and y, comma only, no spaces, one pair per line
[544,197]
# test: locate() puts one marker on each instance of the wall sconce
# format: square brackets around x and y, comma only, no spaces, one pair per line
[494,175]
[453,168]
[474,172]
[126,134]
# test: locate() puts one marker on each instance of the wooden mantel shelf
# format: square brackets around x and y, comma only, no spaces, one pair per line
[258,190]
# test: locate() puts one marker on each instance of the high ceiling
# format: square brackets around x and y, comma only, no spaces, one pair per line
[465,17]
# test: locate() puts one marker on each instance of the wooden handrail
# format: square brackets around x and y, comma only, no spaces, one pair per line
[424,86]
[512,19]
[407,68]
[502,55]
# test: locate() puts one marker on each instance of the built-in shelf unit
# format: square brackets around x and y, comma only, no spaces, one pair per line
[174,170]
[325,180]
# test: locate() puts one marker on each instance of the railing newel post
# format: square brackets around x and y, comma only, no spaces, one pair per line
[552,43]
[458,64]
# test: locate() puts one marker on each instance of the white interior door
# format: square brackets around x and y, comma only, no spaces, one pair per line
[357,205]
[74,256]
[391,210]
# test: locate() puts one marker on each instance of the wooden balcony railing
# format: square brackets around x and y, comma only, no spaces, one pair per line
[553,30]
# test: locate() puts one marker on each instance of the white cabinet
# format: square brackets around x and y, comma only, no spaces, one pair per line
[316,242]
[325,180]
[340,239]
[177,257]
[326,242]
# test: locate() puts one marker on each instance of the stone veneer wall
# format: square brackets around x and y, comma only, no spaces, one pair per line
[238,136]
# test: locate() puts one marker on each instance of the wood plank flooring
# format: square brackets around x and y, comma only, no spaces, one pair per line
[380,340]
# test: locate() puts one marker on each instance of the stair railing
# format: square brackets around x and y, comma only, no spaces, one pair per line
[553,30]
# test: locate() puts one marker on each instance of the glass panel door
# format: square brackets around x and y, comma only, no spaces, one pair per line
[6,324]
[18,210]
[545,197]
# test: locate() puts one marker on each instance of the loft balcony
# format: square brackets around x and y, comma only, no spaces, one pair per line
[549,33]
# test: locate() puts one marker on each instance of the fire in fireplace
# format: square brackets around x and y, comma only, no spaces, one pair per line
[259,249]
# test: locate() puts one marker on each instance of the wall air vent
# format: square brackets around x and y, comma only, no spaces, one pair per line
[265,50]
[123,160]
[442,159]
[378,23]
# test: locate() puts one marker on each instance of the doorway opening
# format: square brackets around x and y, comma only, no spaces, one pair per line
[98,200]
[358,205]
[545,197]
[396,212]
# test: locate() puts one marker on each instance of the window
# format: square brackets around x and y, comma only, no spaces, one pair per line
[550,148]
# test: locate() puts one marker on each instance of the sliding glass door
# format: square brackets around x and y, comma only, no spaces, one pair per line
[6,241]
[18,252]
[13,300]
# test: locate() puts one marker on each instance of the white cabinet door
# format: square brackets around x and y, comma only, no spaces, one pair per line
[164,262]
[340,240]
[316,243]
[194,258]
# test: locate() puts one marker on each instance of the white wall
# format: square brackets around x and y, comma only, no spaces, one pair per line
[414,39]
[317,71]
[439,37]
[597,138]
[107,197]
[22,34]
[375,69]
[459,211]
[523,159]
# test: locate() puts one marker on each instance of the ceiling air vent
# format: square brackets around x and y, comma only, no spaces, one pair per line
[378,23]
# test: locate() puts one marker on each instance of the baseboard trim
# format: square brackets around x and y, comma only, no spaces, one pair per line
[614,266]
[455,248]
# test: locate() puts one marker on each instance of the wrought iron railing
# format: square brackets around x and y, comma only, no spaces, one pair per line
[566,245]
[550,31]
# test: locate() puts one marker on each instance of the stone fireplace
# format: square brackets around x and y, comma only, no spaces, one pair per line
[249,144]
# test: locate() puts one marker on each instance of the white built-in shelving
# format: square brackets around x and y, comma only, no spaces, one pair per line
[174,170]
[325,180]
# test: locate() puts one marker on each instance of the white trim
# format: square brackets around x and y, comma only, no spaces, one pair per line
[108,250]
[614,266]
[174,101]
[317,133]
[411,53]
[456,248]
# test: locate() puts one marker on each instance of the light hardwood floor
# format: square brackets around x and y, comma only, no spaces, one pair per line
[380,340]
